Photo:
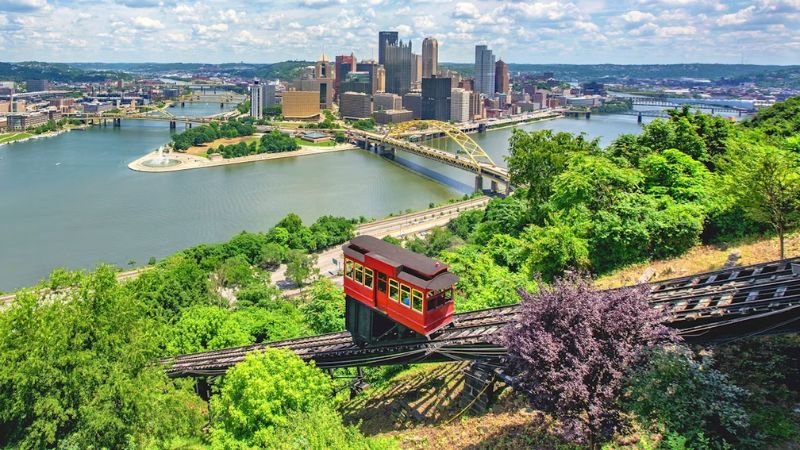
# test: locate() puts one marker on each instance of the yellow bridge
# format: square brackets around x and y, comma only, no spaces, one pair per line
[465,154]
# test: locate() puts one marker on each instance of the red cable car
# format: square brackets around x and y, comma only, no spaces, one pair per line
[394,294]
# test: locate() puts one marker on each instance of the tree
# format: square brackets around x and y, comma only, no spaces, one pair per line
[300,266]
[325,312]
[571,346]
[766,181]
[77,371]
[260,394]
[206,328]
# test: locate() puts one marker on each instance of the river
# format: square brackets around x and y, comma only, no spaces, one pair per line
[70,200]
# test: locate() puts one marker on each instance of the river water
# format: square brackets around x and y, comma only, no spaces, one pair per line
[70,200]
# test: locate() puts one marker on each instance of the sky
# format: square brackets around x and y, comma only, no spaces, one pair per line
[266,31]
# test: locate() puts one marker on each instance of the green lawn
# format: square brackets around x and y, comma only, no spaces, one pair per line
[11,137]
[311,144]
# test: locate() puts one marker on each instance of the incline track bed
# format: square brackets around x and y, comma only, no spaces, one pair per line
[708,307]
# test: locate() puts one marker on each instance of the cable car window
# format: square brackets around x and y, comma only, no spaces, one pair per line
[382,282]
[359,274]
[405,295]
[416,300]
[348,269]
[447,295]
[394,290]
[368,274]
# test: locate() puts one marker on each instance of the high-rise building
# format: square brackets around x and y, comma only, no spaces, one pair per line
[301,104]
[484,70]
[459,105]
[385,38]
[430,57]
[398,67]
[380,79]
[355,105]
[370,67]
[436,93]
[268,91]
[37,85]
[256,100]
[344,65]
[501,82]
[467,84]
[357,82]
[412,101]
[385,101]
[475,106]
[416,71]
[323,69]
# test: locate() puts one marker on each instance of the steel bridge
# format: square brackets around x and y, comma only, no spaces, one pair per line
[694,103]
[158,115]
[468,155]
[711,307]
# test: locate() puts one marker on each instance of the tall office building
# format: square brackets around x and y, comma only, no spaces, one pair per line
[413,102]
[475,106]
[380,79]
[484,70]
[268,91]
[501,80]
[370,67]
[385,38]
[256,100]
[459,105]
[386,101]
[355,105]
[344,65]
[357,82]
[37,85]
[436,93]
[430,57]
[416,71]
[398,67]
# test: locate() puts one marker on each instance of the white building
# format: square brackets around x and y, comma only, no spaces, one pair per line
[459,105]
[256,100]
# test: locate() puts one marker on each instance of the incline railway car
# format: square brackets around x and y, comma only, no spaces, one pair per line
[393,294]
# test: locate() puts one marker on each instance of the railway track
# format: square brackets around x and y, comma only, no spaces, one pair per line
[708,307]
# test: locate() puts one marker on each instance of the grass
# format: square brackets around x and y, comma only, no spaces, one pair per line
[705,258]
[303,143]
[5,138]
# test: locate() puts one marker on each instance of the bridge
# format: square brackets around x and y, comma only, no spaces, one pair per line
[712,307]
[718,105]
[157,115]
[468,155]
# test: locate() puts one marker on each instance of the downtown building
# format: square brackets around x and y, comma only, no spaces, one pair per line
[502,84]
[256,100]
[430,57]
[436,93]
[355,105]
[459,105]
[384,101]
[412,101]
[398,61]
[484,71]
[386,38]
[344,64]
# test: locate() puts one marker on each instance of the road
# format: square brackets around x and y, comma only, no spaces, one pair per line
[400,226]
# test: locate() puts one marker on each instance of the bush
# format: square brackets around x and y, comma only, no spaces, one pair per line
[571,345]
[322,429]
[206,328]
[325,312]
[691,398]
[260,394]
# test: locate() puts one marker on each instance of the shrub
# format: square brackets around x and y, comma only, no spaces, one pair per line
[571,345]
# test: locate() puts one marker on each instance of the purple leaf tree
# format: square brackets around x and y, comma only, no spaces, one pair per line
[571,345]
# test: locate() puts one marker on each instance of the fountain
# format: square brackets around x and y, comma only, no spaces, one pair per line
[161,160]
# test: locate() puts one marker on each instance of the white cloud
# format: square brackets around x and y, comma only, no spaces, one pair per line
[22,5]
[676,31]
[637,16]
[148,23]
[466,10]
[738,17]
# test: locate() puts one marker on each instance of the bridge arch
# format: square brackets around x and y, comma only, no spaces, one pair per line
[465,145]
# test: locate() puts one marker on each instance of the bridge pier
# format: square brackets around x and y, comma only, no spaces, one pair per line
[117,123]
[172,125]
[588,114]
[639,118]
[480,388]
[478,183]
[183,104]
[222,105]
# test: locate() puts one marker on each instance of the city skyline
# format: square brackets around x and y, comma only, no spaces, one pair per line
[581,31]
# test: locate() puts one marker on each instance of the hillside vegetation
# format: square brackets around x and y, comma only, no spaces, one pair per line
[77,352]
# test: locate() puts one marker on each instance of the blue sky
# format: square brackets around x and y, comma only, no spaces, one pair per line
[550,31]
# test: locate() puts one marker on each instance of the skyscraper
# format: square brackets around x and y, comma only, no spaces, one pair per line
[398,67]
[256,100]
[436,93]
[459,105]
[268,91]
[416,71]
[501,81]
[484,70]
[430,57]
[385,38]
[344,65]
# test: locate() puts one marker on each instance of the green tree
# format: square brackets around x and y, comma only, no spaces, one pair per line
[260,394]
[766,182]
[203,328]
[300,266]
[324,313]
[77,371]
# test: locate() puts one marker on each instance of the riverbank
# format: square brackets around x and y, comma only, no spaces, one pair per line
[24,136]
[188,162]
[513,123]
